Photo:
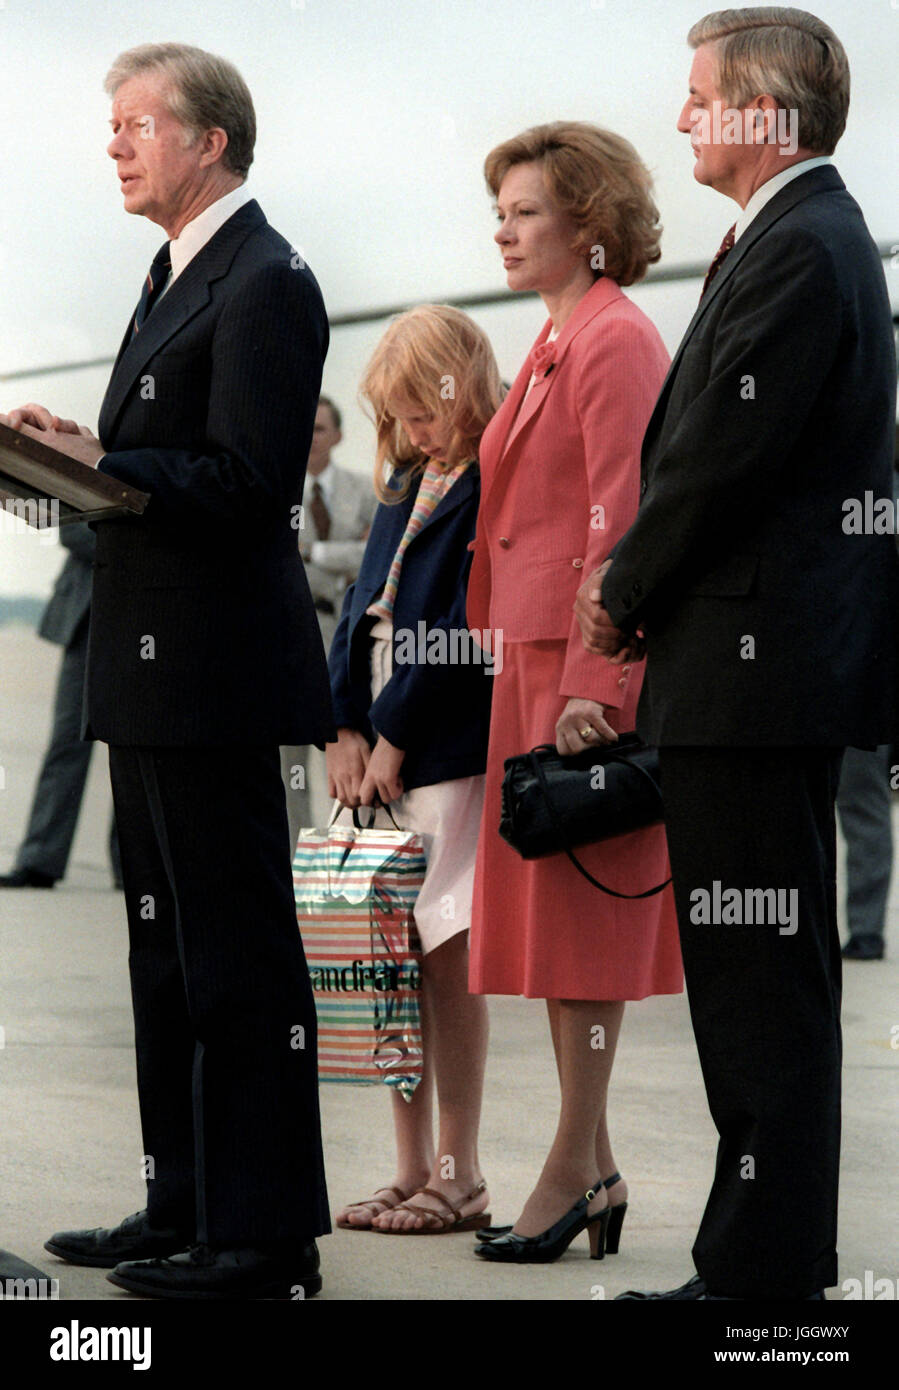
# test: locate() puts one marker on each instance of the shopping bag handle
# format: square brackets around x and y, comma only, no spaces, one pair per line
[379,805]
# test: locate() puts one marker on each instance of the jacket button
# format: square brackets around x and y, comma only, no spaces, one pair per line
[505,542]
[625,671]
[578,564]
[622,683]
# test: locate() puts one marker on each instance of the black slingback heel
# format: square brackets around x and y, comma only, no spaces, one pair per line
[613,1235]
[550,1244]
[616,1218]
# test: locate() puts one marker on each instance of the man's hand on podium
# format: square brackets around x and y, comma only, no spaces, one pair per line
[77,441]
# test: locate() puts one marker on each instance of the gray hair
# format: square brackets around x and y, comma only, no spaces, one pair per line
[788,54]
[203,92]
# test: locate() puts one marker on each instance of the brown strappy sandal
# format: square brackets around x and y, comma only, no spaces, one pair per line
[375,1201]
[442,1223]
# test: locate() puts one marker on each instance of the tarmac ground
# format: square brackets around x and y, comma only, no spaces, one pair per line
[70,1148]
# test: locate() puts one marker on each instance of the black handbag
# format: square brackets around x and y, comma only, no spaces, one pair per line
[552,804]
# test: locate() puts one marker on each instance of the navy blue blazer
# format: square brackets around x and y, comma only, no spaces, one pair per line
[210,409]
[437,710]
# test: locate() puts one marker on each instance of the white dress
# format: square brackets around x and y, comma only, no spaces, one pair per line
[447,816]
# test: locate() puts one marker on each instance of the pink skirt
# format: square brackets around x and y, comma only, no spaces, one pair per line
[539,928]
[446,815]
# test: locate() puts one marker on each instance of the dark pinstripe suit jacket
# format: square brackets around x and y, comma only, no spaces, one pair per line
[766,623]
[203,630]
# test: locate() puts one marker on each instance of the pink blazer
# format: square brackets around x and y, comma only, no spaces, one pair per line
[560,485]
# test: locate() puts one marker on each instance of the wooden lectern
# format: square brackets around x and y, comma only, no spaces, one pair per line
[46,488]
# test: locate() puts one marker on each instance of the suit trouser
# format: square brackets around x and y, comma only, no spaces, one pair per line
[224,1017]
[765,1005]
[60,787]
[864,805]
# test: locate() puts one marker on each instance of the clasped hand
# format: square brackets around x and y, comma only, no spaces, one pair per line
[77,441]
[359,775]
[598,632]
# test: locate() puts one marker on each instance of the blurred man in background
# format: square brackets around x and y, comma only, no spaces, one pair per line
[44,853]
[338,508]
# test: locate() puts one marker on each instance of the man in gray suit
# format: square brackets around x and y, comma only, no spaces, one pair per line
[338,509]
[44,852]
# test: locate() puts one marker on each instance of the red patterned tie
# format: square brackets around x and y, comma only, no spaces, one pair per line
[721,254]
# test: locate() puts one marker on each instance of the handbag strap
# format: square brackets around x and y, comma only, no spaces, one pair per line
[553,815]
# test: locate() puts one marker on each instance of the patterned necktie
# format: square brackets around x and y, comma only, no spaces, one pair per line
[320,514]
[158,274]
[721,255]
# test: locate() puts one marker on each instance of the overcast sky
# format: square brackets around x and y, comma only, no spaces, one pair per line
[374,119]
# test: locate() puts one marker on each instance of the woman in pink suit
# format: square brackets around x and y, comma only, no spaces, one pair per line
[560,467]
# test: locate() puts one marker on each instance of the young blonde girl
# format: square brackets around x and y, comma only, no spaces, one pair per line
[412,731]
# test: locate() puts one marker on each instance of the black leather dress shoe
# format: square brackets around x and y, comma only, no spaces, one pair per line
[225,1274]
[132,1240]
[695,1291]
[864,947]
[26,878]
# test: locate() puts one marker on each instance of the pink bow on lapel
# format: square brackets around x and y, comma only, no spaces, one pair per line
[542,357]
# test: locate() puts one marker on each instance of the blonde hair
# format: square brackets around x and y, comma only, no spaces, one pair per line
[437,358]
[787,54]
[599,180]
[202,92]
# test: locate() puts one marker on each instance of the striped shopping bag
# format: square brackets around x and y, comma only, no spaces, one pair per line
[355,889]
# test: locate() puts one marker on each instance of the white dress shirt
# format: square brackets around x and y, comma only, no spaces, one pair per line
[203,228]
[763,195]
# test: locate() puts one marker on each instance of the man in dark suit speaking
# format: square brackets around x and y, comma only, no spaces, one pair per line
[770,631]
[205,656]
